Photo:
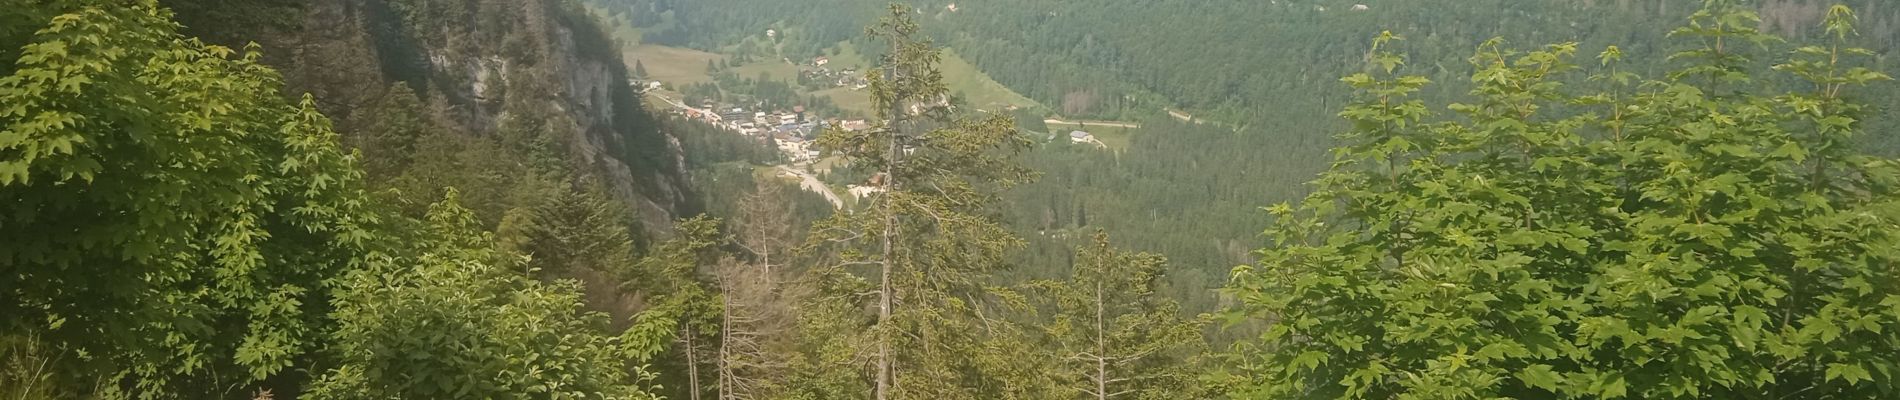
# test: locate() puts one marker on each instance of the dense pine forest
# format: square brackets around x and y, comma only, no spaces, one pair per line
[1108,199]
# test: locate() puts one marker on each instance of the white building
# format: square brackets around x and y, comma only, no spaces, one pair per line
[860,191]
[1080,137]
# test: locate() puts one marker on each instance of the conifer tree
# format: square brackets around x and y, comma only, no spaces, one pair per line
[765,224]
[397,122]
[927,240]
[754,327]
[1114,337]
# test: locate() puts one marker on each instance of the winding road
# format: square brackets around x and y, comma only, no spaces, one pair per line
[1053,121]
[812,184]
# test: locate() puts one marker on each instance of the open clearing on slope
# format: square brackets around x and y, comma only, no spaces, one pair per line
[678,66]
[849,100]
[673,65]
[976,87]
[774,69]
[959,75]
[849,57]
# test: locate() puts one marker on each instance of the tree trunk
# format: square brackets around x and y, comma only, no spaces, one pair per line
[692,365]
[893,127]
[1101,347]
[725,348]
[884,375]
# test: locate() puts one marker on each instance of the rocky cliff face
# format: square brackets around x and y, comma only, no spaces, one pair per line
[536,68]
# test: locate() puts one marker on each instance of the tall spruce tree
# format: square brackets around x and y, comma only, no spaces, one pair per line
[928,238]
[1113,336]
[754,328]
[765,225]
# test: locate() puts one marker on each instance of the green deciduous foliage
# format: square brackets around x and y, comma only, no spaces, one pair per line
[459,319]
[1694,236]
[171,219]
[174,228]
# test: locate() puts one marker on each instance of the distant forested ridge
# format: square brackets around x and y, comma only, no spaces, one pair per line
[1227,58]
[1259,76]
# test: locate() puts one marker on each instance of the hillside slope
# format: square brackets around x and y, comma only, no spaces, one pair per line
[522,107]
[536,73]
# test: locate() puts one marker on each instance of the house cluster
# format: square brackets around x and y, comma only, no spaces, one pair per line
[790,130]
[645,85]
[819,73]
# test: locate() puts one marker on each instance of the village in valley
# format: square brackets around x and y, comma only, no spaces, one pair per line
[788,127]
[792,128]
[755,91]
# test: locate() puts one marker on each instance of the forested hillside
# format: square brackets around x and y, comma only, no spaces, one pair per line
[529,83]
[320,192]
[1230,60]
[1258,77]
[520,106]
[1427,199]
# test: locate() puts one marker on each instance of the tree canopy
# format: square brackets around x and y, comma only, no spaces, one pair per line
[1606,235]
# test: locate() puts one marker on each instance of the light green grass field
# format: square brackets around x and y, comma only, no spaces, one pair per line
[958,74]
[778,70]
[673,65]
[849,57]
[977,87]
[847,99]
[681,66]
